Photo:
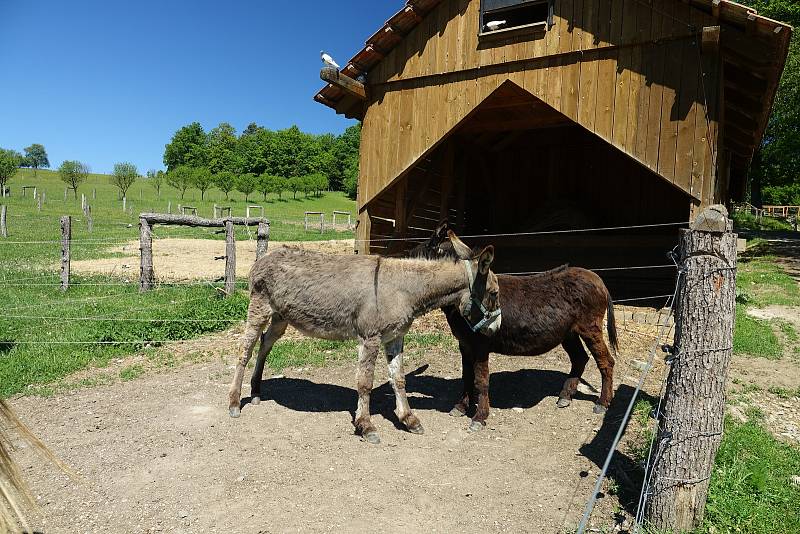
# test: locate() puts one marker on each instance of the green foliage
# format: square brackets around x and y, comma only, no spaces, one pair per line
[36,157]
[225,181]
[246,184]
[754,337]
[750,489]
[202,180]
[73,173]
[188,147]
[9,164]
[747,221]
[181,178]
[259,151]
[131,372]
[777,163]
[123,177]
[221,150]
[156,180]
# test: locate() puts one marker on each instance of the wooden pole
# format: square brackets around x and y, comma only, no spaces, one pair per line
[66,237]
[3,226]
[94,194]
[322,223]
[692,420]
[262,240]
[169,207]
[39,203]
[146,274]
[230,258]
[124,202]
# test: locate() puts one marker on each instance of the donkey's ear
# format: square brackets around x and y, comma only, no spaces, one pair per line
[441,230]
[462,251]
[485,259]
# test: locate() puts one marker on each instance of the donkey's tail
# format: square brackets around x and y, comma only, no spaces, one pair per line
[612,325]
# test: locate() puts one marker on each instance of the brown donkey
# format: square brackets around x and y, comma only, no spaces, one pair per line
[540,312]
[368,298]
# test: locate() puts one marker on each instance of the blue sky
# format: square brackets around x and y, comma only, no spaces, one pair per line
[109,81]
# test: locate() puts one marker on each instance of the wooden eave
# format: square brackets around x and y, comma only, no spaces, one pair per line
[754,49]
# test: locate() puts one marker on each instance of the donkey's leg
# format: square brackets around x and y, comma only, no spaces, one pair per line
[467,383]
[481,370]
[258,315]
[367,354]
[578,357]
[276,329]
[397,377]
[593,337]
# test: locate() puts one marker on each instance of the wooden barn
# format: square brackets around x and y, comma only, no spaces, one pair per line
[533,116]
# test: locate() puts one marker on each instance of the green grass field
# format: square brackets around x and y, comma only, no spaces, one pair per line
[45,335]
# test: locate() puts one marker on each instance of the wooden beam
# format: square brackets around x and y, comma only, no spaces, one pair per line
[711,39]
[343,82]
[191,220]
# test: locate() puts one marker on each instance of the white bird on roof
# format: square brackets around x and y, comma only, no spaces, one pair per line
[328,60]
[495,25]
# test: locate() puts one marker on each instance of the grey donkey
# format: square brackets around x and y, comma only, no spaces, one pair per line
[368,298]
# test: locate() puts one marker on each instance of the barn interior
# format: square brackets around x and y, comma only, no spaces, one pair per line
[517,166]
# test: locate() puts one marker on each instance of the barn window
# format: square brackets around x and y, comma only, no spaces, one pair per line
[501,16]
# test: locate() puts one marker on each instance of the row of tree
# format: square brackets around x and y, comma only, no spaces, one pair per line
[184,177]
[259,151]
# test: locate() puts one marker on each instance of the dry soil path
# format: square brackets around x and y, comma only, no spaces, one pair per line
[161,454]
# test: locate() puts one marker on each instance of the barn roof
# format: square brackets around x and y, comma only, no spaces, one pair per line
[754,50]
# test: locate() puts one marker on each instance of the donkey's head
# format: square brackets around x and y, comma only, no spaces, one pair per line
[480,305]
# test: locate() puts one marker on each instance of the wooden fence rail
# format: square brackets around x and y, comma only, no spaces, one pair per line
[148,220]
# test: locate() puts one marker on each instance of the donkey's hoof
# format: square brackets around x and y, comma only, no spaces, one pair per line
[475,426]
[416,429]
[455,412]
[235,412]
[255,400]
[600,409]
[563,403]
[372,438]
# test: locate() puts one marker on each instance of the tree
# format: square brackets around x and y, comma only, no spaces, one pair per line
[295,185]
[36,157]
[246,183]
[279,185]
[203,180]
[156,179]
[265,184]
[180,178]
[188,147]
[350,182]
[9,163]
[776,164]
[225,181]
[221,149]
[123,177]
[73,173]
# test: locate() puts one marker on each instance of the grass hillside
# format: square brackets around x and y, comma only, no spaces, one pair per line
[46,334]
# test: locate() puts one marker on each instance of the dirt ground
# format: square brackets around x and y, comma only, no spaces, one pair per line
[189,259]
[161,454]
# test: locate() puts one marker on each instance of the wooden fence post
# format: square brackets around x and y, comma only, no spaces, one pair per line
[146,275]
[691,425]
[66,237]
[262,239]
[124,202]
[230,258]
[169,207]
[89,220]
[3,226]
[39,203]
[94,194]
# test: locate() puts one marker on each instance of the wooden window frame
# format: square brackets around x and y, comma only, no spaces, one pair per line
[514,31]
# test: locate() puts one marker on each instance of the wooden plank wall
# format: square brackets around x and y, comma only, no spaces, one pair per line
[626,70]
[557,179]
